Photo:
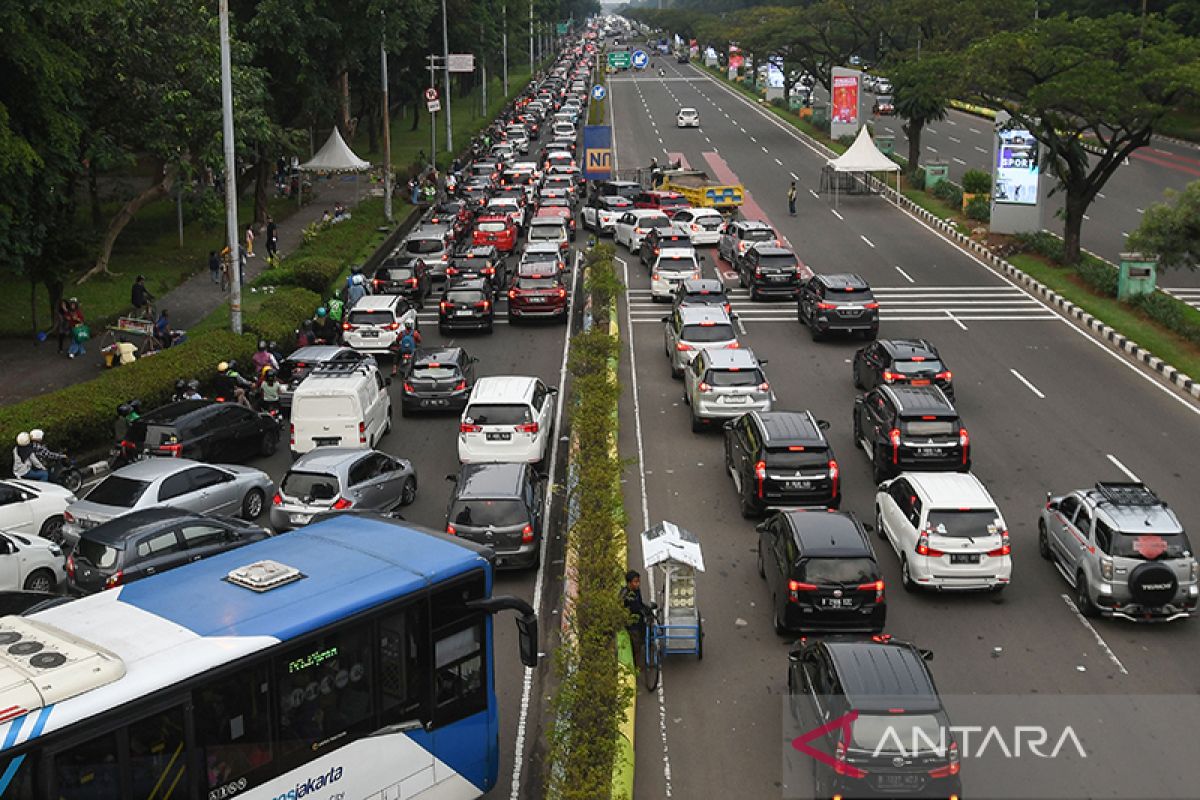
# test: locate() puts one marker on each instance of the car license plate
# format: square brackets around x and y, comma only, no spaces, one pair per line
[908,781]
[849,312]
[434,403]
[964,558]
[921,382]
[370,334]
[778,278]
[537,299]
[737,399]
[929,451]
[499,437]
[463,312]
[837,602]
[300,519]
[326,441]
[796,486]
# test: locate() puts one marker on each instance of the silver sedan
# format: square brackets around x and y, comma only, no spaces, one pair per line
[339,479]
[221,489]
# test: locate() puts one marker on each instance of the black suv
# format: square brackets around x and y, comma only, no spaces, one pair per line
[830,303]
[408,277]
[912,362]
[479,261]
[658,238]
[467,305]
[821,572]
[150,541]
[437,379]
[205,430]
[864,694]
[781,458]
[910,428]
[702,292]
[499,505]
[770,272]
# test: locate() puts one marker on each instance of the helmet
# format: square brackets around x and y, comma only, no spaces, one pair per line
[272,346]
[358,278]
[136,405]
[180,385]
[262,346]
[233,365]
[23,439]
[223,366]
[194,385]
[36,435]
[321,311]
[408,324]
[269,374]
[124,409]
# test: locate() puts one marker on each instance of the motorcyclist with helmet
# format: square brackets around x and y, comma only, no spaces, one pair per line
[268,392]
[264,359]
[229,380]
[325,329]
[26,464]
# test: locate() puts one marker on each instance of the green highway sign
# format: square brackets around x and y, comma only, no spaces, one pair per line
[562,29]
[619,59]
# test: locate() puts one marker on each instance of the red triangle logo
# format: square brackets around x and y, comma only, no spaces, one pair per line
[846,723]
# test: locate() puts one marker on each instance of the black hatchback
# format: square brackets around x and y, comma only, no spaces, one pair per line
[499,505]
[438,379]
[821,573]
[151,541]
[205,430]
[467,305]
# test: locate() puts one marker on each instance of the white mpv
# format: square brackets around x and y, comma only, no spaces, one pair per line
[507,418]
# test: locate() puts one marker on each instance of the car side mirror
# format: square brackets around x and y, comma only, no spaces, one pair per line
[927,655]
[763,361]
[794,655]
[761,527]
[666,319]
[387,381]
[858,401]
[452,478]
[868,527]
[473,360]
[729,424]
[552,389]
[823,424]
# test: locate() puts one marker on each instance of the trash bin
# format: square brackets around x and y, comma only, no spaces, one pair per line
[886,144]
[1137,275]
[935,173]
[820,115]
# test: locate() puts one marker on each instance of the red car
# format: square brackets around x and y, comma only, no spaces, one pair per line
[666,202]
[498,231]
[537,296]
[557,212]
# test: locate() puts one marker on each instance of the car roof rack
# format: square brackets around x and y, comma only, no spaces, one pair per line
[1128,493]
[341,368]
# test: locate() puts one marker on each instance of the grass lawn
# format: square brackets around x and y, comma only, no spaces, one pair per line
[148,246]
[1175,350]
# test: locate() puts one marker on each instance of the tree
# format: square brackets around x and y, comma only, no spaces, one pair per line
[1110,80]
[921,91]
[1171,230]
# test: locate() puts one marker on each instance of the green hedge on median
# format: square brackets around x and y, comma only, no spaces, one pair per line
[281,313]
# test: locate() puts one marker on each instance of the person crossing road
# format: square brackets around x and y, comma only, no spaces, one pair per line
[791,195]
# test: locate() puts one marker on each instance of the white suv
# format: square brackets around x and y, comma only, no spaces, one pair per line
[672,267]
[946,529]
[374,322]
[507,418]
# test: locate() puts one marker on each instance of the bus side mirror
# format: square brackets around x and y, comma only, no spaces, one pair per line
[527,638]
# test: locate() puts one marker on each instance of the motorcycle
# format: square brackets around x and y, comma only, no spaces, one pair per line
[123,454]
[64,472]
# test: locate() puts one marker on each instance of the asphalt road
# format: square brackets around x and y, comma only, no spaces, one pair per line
[1048,408]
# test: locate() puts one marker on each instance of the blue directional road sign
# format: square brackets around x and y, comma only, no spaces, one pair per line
[640,59]
[597,152]
[599,92]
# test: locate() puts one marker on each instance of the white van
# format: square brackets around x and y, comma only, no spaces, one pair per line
[374,322]
[340,405]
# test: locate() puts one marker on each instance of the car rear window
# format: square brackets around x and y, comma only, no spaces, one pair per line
[850,295]
[617,201]
[492,227]
[161,434]
[498,414]
[720,332]
[465,296]
[930,427]
[838,570]
[758,234]
[777,261]
[118,491]
[918,367]
[889,733]
[536,283]
[672,202]
[309,486]
[805,456]
[393,273]
[545,232]
[382,316]
[964,524]
[98,554]
[423,246]
[705,299]
[1149,546]
[484,513]
[434,371]
[709,223]
[729,377]
[654,222]
[666,264]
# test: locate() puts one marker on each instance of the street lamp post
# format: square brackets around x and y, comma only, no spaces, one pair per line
[531,39]
[504,46]
[387,133]
[231,214]
[446,81]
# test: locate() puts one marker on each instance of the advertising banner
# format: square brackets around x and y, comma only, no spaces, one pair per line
[846,95]
[775,72]
[597,152]
[1016,167]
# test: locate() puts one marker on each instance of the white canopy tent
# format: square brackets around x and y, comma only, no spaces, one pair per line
[336,156]
[862,158]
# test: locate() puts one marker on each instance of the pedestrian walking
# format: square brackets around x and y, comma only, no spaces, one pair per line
[250,241]
[792,199]
[214,266]
[62,325]
[272,239]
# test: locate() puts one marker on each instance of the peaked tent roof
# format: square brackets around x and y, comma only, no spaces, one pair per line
[335,156]
[863,156]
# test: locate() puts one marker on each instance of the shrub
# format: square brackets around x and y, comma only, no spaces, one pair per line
[976,181]
[846,141]
[1098,275]
[1170,313]
[779,102]
[280,313]
[80,418]
[314,272]
[1044,244]
[948,193]
[978,208]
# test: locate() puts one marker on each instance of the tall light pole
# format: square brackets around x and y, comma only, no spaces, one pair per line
[504,39]
[531,39]
[387,132]
[231,215]
[446,81]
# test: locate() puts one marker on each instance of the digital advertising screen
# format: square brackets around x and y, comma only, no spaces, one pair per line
[845,99]
[1016,167]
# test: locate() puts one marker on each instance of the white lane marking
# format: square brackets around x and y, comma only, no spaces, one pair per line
[931,130]
[527,682]
[953,318]
[764,149]
[975,130]
[1128,472]
[907,277]
[1099,641]
[955,140]
[795,177]
[751,138]
[814,194]
[1166,390]
[1100,195]
[931,149]
[1085,216]
[641,454]
[865,239]
[949,121]
[1028,385]
[836,214]
[1124,234]
[1141,211]
[980,149]
[740,324]
[780,163]
[958,160]
[889,130]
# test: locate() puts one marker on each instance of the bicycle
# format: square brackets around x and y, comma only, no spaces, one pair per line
[652,651]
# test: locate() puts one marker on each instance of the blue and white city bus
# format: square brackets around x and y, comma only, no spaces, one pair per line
[348,660]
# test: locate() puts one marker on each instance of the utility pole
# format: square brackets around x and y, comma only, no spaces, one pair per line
[504,47]
[446,82]
[231,215]
[483,68]
[432,114]
[387,131]
[531,39]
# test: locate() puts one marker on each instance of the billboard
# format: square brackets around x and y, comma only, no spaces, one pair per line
[845,99]
[775,72]
[597,152]
[1016,167]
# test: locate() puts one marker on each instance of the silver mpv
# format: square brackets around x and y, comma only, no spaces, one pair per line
[688,330]
[722,384]
[341,478]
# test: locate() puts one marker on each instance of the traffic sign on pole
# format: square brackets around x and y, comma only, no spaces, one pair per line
[433,105]
[640,59]
[619,59]
[431,94]
[599,92]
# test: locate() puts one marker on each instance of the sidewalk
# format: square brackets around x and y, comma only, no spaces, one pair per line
[39,368]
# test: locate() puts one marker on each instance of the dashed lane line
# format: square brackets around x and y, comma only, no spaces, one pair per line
[958,160]
[907,277]
[868,241]
[836,214]
[1028,385]
[1099,640]
[1126,470]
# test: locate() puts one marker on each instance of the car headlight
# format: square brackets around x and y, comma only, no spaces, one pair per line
[1195,570]
[1106,569]
[57,552]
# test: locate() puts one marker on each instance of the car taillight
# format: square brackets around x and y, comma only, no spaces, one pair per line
[485,305]
[444,306]
[347,326]
[871,306]
[764,387]
[461,386]
[561,291]
[70,563]
[952,767]
[733,346]
[277,500]
[923,548]
[528,427]
[945,375]
[1005,548]
[174,450]
[392,326]
[964,441]
[760,475]
[654,276]
[512,294]
[834,475]
[639,230]
[874,586]
[362,432]
[894,437]
[682,346]
[450,529]
[890,377]
[115,579]
[342,504]
[408,387]
[412,281]
[826,306]
[527,534]
[292,432]
[695,227]
[841,767]
[795,587]
[703,387]
[467,427]
[377,283]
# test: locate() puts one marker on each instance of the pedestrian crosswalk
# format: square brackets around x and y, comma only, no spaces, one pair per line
[954,304]
[1189,296]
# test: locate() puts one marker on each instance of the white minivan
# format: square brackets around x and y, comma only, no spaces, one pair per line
[672,267]
[340,405]
[374,323]
[507,418]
